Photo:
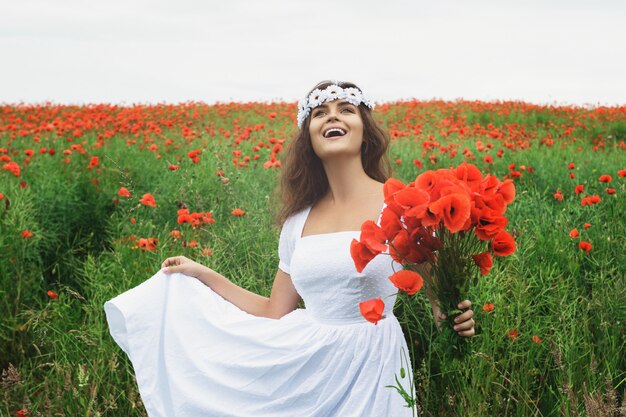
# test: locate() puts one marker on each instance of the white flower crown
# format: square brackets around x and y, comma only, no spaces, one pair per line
[317,97]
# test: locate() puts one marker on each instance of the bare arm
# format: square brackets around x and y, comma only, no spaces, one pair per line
[283,298]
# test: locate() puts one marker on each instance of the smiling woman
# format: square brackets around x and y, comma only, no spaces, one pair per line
[201,345]
[337,128]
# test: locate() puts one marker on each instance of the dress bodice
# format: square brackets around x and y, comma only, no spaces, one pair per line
[324,274]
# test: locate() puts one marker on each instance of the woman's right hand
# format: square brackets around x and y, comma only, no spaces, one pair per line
[183,265]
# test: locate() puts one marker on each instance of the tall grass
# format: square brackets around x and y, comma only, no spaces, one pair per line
[57,357]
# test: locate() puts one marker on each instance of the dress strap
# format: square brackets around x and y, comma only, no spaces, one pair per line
[380,216]
[302,218]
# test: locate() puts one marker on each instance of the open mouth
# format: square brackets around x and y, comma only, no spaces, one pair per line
[334,132]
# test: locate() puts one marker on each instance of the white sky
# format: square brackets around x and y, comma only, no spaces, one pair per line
[127,51]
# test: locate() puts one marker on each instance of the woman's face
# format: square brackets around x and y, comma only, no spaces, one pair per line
[336,129]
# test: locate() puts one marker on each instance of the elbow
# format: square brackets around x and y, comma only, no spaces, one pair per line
[277,314]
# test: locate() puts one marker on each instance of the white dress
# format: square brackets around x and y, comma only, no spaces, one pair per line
[196,354]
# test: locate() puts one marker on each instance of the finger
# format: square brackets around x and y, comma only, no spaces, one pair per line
[464,316]
[172,269]
[166,262]
[466,325]
[464,304]
[467,333]
[174,260]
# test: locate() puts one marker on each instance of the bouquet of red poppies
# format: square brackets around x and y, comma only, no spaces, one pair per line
[449,219]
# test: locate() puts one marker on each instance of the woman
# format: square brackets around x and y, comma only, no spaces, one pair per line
[225,351]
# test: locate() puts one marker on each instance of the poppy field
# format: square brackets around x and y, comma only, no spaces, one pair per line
[93,198]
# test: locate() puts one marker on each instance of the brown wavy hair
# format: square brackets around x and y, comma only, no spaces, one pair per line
[303,180]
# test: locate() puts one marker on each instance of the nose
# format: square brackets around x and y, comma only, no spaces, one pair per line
[332,116]
[332,113]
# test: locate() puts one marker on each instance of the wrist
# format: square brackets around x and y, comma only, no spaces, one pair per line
[205,275]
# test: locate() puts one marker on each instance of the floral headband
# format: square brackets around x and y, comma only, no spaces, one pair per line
[352,95]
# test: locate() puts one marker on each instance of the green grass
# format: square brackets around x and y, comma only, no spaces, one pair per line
[57,356]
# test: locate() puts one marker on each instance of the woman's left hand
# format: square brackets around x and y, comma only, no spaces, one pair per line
[464,323]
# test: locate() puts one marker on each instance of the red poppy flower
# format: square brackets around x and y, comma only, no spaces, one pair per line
[571,165]
[558,195]
[454,209]
[503,244]
[571,175]
[148,200]
[605,178]
[488,159]
[512,334]
[194,154]
[373,236]
[469,173]
[22,413]
[123,192]
[488,224]
[610,191]
[390,223]
[12,167]
[1,196]
[52,294]
[484,260]
[94,162]
[536,339]
[407,281]
[26,234]
[361,254]
[404,249]
[425,241]
[148,244]
[372,310]
[192,243]
[622,173]
[238,212]
[426,180]
[590,200]
[573,233]
[175,234]
[587,225]
[173,167]
[579,189]
[391,187]
[586,246]
[507,190]
[413,201]
[488,308]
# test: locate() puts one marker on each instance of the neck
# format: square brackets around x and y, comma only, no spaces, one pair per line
[348,181]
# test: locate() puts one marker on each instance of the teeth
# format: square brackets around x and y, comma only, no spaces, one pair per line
[341,131]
